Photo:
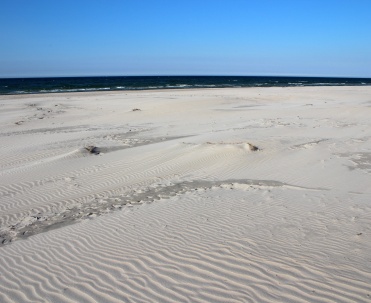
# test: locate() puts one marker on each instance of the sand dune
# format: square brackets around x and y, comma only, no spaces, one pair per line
[178,206]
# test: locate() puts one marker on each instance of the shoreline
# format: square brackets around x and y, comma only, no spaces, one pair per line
[107,92]
[140,83]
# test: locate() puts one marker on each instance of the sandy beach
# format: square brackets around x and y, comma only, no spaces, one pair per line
[207,195]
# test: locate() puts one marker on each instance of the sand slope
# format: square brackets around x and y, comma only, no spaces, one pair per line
[177,207]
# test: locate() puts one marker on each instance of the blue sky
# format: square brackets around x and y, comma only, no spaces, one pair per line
[194,37]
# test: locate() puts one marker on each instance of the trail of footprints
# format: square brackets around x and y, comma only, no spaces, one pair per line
[41,222]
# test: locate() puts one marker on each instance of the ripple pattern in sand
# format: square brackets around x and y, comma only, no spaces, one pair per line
[212,249]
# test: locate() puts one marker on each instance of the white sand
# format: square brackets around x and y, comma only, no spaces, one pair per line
[176,207]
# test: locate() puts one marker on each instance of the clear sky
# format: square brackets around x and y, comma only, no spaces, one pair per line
[185,37]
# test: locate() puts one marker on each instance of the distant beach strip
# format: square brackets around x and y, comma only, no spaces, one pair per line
[14,86]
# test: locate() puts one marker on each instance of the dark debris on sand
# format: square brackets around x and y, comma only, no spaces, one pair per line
[93,149]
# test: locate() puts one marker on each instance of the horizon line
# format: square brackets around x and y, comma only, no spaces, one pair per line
[184,75]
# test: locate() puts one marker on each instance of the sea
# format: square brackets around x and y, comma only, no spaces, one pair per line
[14,86]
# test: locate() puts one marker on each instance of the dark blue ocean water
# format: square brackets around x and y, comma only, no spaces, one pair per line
[82,84]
